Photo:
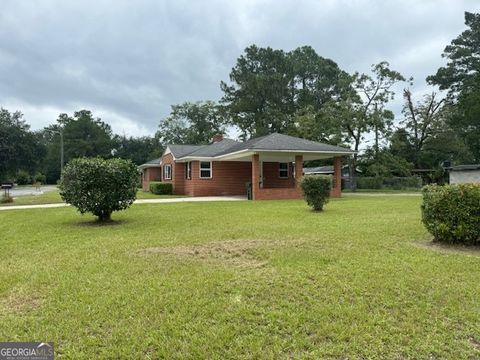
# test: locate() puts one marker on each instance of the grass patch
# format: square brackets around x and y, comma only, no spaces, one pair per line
[230,280]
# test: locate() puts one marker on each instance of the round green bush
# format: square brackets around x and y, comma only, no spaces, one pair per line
[99,186]
[160,188]
[451,213]
[316,190]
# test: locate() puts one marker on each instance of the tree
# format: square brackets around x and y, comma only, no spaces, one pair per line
[83,136]
[360,107]
[422,120]
[137,149]
[191,123]
[269,87]
[20,148]
[461,77]
[100,186]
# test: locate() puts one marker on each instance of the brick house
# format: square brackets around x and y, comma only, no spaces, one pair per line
[272,165]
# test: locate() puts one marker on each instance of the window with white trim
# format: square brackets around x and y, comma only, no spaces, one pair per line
[188,170]
[167,172]
[283,170]
[205,169]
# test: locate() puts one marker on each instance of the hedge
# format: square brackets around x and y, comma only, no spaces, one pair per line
[451,213]
[161,188]
[316,190]
[397,183]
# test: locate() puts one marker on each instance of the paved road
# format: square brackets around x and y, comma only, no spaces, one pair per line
[140,201]
[31,190]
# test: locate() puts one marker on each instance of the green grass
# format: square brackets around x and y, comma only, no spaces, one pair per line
[53,197]
[230,280]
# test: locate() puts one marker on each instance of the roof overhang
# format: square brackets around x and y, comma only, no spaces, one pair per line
[270,155]
[146,166]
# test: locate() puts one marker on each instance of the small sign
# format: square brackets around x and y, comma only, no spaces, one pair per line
[26,351]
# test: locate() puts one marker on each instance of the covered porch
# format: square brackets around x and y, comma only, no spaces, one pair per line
[279,178]
[276,174]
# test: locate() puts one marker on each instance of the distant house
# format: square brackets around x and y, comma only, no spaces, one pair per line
[270,166]
[464,174]
[329,170]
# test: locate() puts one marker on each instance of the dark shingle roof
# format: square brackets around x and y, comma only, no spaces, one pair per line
[214,149]
[150,163]
[277,141]
[181,150]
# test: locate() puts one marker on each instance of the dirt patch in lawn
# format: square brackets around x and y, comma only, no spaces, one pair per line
[240,253]
[19,301]
[472,250]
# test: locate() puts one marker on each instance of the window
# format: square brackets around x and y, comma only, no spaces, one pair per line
[188,170]
[167,172]
[283,170]
[205,169]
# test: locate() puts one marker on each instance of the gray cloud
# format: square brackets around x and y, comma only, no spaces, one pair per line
[129,61]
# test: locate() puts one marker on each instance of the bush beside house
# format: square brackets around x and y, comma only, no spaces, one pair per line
[451,213]
[316,190]
[159,188]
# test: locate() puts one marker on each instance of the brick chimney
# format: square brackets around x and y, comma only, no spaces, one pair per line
[217,138]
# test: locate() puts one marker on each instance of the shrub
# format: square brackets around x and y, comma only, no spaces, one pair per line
[451,213]
[23,178]
[369,182]
[99,186]
[40,178]
[397,183]
[5,199]
[160,188]
[316,190]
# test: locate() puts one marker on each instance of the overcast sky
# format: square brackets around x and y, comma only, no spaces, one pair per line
[128,61]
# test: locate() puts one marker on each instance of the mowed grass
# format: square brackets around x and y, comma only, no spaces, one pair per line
[53,197]
[232,280]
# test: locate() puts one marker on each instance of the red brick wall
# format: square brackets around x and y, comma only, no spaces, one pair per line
[272,179]
[150,174]
[228,178]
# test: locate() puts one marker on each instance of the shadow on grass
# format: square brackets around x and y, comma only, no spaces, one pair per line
[92,223]
[473,250]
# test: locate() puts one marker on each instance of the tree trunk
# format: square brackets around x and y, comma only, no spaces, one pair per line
[105,217]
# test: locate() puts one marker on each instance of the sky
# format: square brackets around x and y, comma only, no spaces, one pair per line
[129,61]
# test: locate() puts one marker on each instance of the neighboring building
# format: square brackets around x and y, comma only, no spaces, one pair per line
[329,170]
[271,165]
[465,174]
[151,171]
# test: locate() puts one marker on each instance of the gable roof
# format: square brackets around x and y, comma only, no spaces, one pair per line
[269,143]
[179,151]
[281,142]
[214,149]
[151,163]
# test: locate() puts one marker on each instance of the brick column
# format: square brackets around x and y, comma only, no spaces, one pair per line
[255,176]
[298,169]
[337,177]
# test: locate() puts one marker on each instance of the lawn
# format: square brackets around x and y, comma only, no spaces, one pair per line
[230,280]
[52,197]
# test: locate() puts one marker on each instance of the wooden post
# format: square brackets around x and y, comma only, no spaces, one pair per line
[337,177]
[255,176]
[298,169]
